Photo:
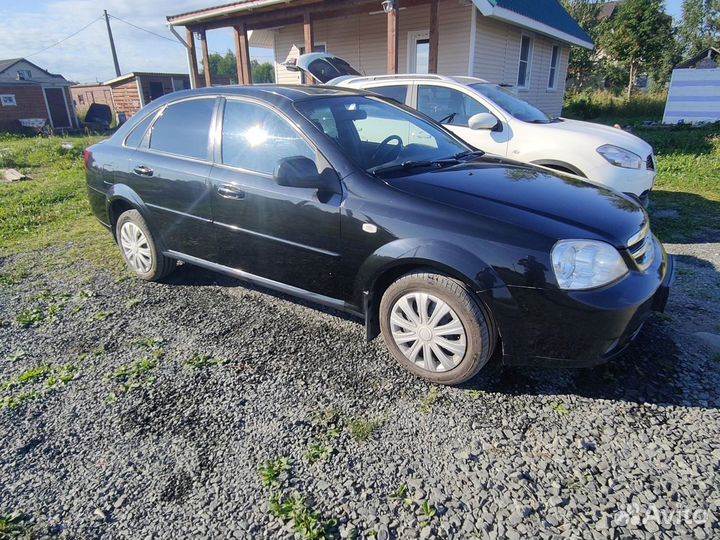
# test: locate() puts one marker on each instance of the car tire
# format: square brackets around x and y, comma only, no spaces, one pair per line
[139,248]
[449,340]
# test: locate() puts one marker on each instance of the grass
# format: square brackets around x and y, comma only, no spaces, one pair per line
[608,108]
[51,209]
[362,429]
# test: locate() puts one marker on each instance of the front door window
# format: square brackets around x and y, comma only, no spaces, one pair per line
[419,52]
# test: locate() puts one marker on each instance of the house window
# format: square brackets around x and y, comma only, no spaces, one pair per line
[81,99]
[523,80]
[418,52]
[8,100]
[553,67]
[24,75]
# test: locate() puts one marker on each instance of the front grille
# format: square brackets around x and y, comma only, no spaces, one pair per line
[642,248]
[650,163]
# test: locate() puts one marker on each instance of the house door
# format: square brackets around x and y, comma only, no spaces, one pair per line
[57,107]
[419,52]
[156,90]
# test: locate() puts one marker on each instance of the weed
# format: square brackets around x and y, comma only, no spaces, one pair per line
[148,343]
[361,429]
[401,494]
[274,473]
[716,358]
[559,408]
[135,375]
[318,452]
[100,316]
[17,355]
[11,402]
[427,512]
[199,361]
[308,523]
[61,375]
[475,394]
[14,276]
[51,376]
[427,402]
[30,317]
[14,526]
[326,417]
[132,302]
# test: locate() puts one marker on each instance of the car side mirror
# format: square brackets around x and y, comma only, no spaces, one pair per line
[301,172]
[482,120]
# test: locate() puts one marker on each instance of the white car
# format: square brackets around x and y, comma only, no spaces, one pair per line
[492,118]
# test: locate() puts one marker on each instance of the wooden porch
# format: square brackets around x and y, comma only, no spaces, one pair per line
[249,15]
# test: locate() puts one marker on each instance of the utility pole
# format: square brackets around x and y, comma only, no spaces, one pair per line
[112,43]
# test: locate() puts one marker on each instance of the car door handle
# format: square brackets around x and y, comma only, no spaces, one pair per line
[230,192]
[142,170]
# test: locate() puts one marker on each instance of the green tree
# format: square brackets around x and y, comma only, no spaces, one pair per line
[700,26]
[226,66]
[637,37]
[583,63]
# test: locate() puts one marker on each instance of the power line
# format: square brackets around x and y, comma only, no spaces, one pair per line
[143,29]
[63,39]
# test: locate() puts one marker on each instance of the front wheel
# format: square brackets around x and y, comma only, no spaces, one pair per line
[139,249]
[435,328]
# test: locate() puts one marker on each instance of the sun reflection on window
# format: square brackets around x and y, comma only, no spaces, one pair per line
[256,135]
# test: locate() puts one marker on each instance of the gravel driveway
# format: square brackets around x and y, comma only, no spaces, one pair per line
[161,402]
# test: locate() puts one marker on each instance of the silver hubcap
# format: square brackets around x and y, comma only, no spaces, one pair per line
[136,248]
[428,332]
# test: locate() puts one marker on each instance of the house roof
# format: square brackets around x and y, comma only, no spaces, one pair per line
[10,62]
[710,52]
[608,9]
[133,74]
[544,16]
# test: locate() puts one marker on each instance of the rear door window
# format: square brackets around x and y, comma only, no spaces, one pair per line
[397,92]
[255,138]
[184,129]
[447,105]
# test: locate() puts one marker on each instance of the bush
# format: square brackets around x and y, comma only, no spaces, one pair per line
[606,105]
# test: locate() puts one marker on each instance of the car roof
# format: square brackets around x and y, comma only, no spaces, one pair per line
[276,93]
[349,81]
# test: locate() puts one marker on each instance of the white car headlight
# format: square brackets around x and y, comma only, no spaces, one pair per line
[620,157]
[585,264]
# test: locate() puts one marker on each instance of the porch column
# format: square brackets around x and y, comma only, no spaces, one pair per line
[434,37]
[206,58]
[192,55]
[309,38]
[242,54]
[392,38]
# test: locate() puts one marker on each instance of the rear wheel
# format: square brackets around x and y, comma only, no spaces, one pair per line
[435,328]
[139,249]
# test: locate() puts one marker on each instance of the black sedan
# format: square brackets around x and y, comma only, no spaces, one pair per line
[359,203]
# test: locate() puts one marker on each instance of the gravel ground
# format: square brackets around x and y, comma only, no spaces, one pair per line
[242,377]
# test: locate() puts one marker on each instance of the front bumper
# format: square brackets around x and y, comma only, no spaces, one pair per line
[637,182]
[584,328]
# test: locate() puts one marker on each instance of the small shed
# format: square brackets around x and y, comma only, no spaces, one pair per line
[694,94]
[32,96]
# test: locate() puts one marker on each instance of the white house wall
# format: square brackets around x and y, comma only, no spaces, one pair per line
[362,39]
[497,57]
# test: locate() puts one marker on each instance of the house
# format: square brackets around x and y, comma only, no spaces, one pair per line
[694,93]
[128,93]
[516,42]
[30,95]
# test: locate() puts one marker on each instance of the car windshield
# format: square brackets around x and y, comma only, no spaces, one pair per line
[379,136]
[512,104]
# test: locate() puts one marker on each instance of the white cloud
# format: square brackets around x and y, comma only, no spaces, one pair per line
[86,57]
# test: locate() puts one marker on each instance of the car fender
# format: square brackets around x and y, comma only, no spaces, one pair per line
[123,192]
[477,276]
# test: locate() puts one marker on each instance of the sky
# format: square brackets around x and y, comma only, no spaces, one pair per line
[28,26]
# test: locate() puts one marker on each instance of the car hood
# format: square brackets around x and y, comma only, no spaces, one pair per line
[499,188]
[599,135]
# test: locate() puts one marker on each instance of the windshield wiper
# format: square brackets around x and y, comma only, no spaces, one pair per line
[449,118]
[469,153]
[412,164]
